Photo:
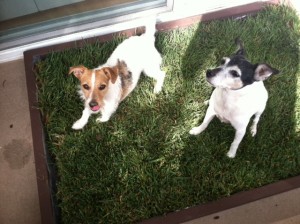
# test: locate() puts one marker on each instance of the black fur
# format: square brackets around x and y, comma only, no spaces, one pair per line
[124,73]
[246,68]
[246,74]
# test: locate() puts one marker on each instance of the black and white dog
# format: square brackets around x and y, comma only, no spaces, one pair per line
[238,95]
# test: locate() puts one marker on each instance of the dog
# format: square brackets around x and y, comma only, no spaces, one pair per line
[103,88]
[238,95]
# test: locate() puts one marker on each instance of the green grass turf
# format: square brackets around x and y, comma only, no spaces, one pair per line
[143,163]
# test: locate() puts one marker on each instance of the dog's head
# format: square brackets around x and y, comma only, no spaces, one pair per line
[236,71]
[94,84]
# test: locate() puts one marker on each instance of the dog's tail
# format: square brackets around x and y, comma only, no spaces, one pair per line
[150,26]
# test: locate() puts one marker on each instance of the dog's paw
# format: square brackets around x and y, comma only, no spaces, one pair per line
[195,131]
[230,155]
[157,89]
[159,81]
[102,119]
[253,130]
[78,125]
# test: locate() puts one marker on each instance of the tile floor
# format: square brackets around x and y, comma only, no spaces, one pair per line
[18,188]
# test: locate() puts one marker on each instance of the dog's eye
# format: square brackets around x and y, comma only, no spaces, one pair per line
[86,86]
[234,73]
[102,87]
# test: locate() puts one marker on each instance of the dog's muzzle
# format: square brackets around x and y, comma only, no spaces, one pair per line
[209,73]
[94,106]
[212,73]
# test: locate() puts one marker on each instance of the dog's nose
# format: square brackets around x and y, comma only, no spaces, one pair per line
[93,104]
[212,73]
[209,73]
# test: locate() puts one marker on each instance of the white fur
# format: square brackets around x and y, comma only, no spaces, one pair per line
[236,107]
[140,55]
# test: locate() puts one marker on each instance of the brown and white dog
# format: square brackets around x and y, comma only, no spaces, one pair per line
[103,88]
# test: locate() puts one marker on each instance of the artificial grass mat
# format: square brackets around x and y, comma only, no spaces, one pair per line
[142,162]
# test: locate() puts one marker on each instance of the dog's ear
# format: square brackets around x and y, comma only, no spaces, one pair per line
[77,71]
[241,50]
[112,73]
[264,71]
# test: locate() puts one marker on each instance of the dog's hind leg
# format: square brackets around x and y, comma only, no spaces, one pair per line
[159,75]
[253,128]
[210,114]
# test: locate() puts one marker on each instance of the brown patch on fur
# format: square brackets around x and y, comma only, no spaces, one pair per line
[237,84]
[85,77]
[102,77]
[126,78]
[112,73]
[78,71]
[96,90]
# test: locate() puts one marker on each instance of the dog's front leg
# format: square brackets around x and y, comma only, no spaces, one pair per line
[239,134]
[79,124]
[210,113]
[107,112]
[104,117]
